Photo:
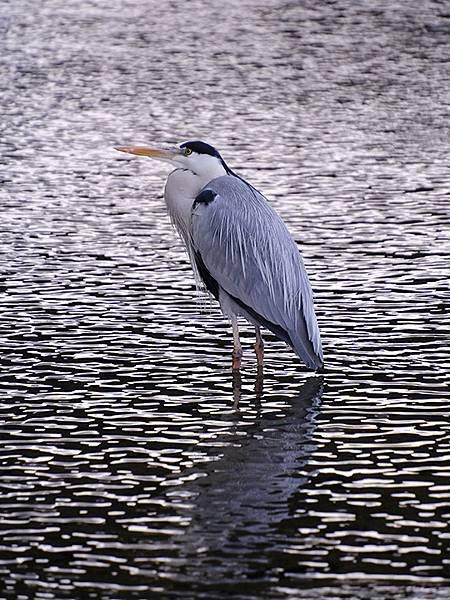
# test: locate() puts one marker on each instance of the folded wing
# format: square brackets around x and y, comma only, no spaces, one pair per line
[247,250]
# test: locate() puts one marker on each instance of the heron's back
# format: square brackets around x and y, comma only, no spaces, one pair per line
[247,249]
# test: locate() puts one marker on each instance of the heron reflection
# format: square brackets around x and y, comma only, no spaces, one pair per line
[242,499]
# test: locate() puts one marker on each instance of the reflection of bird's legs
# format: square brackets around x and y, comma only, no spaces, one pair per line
[259,348]
[259,386]
[237,348]
[237,387]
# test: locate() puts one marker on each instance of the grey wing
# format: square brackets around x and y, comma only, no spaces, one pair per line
[242,245]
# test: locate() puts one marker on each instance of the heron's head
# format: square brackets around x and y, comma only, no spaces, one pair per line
[198,157]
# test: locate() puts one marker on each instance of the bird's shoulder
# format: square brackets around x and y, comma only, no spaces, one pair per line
[241,214]
[231,196]
[230,188]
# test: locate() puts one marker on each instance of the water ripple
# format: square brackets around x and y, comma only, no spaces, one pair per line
[133,464]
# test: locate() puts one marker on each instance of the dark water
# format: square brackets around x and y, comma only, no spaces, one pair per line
[131,466]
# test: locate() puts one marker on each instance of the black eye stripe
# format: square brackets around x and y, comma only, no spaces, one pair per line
[200,148]
[204,148]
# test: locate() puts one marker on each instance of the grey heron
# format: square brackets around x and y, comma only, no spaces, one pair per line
[239,248]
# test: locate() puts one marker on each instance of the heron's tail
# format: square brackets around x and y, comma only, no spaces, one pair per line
[309,351]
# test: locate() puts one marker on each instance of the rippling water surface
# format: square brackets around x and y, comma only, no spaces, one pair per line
[131,464]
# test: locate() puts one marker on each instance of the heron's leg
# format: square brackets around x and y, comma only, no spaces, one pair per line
[259,348]
[237,348]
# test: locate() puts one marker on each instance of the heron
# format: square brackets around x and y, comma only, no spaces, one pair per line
[240,249]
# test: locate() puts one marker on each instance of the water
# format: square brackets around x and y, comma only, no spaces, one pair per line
[132,465]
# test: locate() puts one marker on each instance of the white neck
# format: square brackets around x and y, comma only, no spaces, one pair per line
[183,186]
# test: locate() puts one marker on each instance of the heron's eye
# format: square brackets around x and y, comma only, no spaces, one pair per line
[187,151]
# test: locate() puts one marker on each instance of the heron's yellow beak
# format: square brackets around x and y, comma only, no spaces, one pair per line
[151,152]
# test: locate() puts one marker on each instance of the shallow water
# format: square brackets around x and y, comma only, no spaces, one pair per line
[131,464]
